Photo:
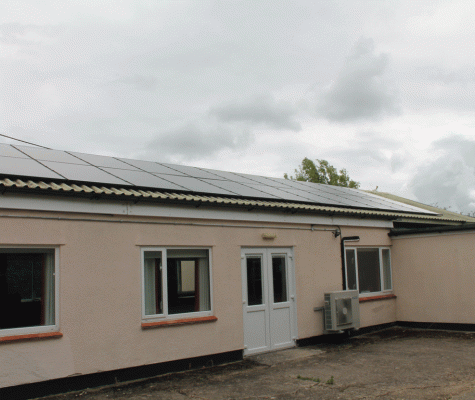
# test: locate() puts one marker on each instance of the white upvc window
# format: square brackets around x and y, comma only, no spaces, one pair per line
[176,283]
[368,270]
[28,290]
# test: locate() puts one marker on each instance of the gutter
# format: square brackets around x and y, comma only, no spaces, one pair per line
[439,229]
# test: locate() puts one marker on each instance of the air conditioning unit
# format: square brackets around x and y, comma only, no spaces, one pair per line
[341,310]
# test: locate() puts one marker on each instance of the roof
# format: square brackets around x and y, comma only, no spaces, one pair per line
[128,194]
[444,215]
[54,172]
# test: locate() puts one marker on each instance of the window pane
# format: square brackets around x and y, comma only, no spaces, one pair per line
[187,276]
[351,269]
[386,269]
[280,279]
[153,282]
[369,277]
[188,281]
[26,289]
[254,281]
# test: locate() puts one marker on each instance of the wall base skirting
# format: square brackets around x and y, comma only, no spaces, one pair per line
[80,382]
[339,337]
[437,326]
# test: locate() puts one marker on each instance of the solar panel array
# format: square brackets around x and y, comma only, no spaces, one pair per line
[33,162]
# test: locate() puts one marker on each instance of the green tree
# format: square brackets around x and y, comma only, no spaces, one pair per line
[322,173]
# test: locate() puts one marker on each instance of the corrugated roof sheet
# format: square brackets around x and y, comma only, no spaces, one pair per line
[19,185]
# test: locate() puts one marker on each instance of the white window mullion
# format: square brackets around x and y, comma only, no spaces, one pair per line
[346,268]
[387,272]
[357,271]
[164,282]
[49,292]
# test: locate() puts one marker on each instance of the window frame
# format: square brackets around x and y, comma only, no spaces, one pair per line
[165,316]
[28,330]
[381,270]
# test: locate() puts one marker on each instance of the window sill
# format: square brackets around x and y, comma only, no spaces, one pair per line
[376,298]
[29,337]
[178,322]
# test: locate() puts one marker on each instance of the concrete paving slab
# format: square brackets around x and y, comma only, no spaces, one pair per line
[281,356]
[465,396]
[394,364]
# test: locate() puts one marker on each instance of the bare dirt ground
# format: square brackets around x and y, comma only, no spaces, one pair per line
[395,363]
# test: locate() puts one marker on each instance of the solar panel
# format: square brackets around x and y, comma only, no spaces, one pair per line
[8,151]
[84,173]
[234,177]
[50,155]
[194,184]
[240,190]
[283,195]
[351,197]
[297,190]
[354,197]
[257,179]
[153,167]
[103,161]
[328,196]
[143,179]
[395,203]
[365,198]
[25,167]
[25,161]
[191,171]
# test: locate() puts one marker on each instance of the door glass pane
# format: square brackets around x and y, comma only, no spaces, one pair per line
[351,269]
[386,270]
[279,279]
[369,277]
[254,281]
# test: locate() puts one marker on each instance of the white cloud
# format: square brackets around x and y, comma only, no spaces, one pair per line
[359,91]
[448,180]
[260,110]
[193,142]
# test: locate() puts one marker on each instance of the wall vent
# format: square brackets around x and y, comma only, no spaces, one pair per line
[342,310]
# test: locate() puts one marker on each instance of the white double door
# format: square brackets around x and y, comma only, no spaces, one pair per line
[268,289]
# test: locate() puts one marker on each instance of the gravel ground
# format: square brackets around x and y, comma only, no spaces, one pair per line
[395,363]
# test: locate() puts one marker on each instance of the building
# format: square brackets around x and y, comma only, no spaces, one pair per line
[113,269]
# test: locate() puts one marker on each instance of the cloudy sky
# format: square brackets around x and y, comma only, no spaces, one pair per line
[385,89]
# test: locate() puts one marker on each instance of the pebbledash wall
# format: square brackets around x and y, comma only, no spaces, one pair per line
[100,284]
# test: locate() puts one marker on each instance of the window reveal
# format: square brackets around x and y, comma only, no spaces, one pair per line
[26,288]
[176,281]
